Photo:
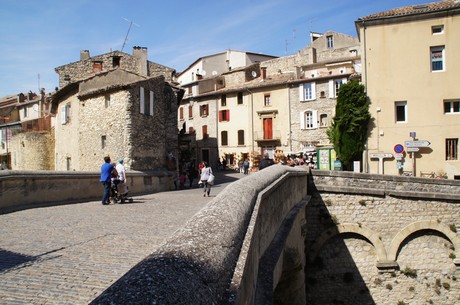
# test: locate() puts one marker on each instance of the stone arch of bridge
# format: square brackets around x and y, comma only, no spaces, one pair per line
[419,226]
[358,229]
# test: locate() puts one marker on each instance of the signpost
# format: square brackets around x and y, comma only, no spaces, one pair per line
[381,156]
[413,147]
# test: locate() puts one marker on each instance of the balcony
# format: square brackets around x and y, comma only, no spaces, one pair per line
[261,136]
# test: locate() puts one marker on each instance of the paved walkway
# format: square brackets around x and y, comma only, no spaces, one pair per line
[69,254]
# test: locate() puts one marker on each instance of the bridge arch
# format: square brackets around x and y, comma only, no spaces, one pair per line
[367,233]
[419,226]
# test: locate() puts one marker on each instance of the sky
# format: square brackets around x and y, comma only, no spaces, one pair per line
[36,36]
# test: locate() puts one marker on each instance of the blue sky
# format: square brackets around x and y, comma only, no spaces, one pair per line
[37,36]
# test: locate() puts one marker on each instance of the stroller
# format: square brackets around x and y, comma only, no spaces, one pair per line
[119,192]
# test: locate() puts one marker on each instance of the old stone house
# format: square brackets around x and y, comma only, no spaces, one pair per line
[117,113]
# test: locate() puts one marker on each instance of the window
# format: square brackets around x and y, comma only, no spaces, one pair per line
[240,98]
[323,119]
[334,86]
[190,112]
[223,100]
[452,149]
[204,110]
[307,91]
[146,106]
[181,113]
[107,100]
[308,119]
[97,66]
[330,41]
[224,115]
[401,112]
[25,111]
[65,114]
[116,61]
[240,137]
[437,58]
[204,131]
[224,138]
[68,163]
[437,29]
[452,106]
[267,99]
[103,142]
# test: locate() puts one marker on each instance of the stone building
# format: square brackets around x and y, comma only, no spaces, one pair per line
[89,66]
[117,113]
[279,106]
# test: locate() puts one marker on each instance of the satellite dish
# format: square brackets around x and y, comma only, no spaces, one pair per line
[203,72]
[214,72]
[35,107]
[254,74]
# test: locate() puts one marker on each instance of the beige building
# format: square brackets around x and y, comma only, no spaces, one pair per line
[411,70]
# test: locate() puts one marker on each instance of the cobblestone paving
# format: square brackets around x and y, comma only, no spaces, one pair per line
[69,254]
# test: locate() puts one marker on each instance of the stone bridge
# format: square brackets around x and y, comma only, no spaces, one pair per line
[286,236]
[347,238]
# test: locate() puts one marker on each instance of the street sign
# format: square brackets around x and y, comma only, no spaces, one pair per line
[398,148]
[399,156]
[418,143]
[383,156]
[413,149]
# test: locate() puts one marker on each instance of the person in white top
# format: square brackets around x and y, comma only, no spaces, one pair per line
[121,171]
[205,173]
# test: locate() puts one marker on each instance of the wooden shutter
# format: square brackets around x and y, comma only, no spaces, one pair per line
[301,93]
[151,103]
[302,120]
[142,100]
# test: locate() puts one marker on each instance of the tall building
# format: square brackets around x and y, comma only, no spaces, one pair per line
[411,70]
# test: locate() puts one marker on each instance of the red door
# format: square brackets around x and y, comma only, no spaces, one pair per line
[268,129]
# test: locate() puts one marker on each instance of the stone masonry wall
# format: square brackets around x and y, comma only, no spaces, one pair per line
[352,217]
[33,151]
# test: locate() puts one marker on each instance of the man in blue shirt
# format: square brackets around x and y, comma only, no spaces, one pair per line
[106,173]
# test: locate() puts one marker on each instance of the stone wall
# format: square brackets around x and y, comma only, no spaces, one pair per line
[83,69]
[30,189]
[215,247]
[375,239]
[32,151]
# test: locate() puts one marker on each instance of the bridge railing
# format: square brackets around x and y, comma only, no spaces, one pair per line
[215,257]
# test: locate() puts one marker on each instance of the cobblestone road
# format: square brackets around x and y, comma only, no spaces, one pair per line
[69,254]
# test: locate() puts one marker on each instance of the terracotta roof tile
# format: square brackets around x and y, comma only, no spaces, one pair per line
[415,9]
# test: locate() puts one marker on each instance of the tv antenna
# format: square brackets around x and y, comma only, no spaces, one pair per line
[129,29]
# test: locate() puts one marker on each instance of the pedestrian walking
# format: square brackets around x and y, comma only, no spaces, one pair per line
[206,172]
[107,170]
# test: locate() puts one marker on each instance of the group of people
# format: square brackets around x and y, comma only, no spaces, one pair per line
[111,173]
[203,173]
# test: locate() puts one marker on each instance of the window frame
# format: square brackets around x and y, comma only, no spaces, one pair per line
[437,29]
[267,100]
[224,138]
[204,110]
[437,49]
[398,105]
[330,41]
[240,98]
[453,105]
[451,149]
[240,137]
[305,118]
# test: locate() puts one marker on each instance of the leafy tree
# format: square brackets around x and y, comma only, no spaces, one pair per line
[348,132]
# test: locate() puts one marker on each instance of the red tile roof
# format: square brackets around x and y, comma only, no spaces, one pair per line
[415,9]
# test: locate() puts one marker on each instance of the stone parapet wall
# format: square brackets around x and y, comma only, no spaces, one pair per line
[374,239]
[29,189]
[215,247]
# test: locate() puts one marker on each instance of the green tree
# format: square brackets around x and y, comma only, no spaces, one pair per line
[348,131]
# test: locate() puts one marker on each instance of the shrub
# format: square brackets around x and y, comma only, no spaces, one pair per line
[409,272]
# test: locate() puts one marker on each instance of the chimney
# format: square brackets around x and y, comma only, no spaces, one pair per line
[140,53]
[263,72]
[84,54]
